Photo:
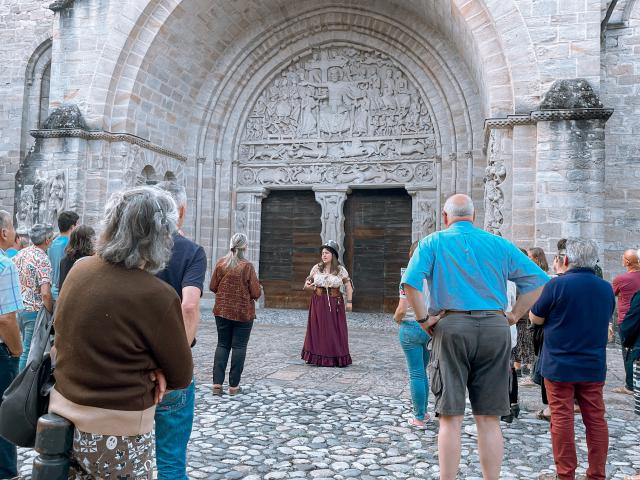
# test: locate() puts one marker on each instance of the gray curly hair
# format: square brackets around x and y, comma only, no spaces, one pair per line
[137,229]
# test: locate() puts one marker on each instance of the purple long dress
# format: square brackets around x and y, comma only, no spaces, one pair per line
[326,343]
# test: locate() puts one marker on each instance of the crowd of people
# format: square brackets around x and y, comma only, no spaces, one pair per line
[477,317]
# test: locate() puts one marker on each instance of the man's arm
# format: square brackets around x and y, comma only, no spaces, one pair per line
[523,304]
[536,320]
[191,311]
[10,333]
[47,297]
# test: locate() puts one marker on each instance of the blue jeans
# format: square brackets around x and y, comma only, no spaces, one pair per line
[174,419]
[8,453]
[26,321]
[413,340]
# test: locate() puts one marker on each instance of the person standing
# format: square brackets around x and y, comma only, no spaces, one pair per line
[625,287]
[81,244]
[22,241]
[630,337]
[236,285]
[326,343]
[34,271]
[414,341]
[575,309]
[67,222]
[467,270]
[10,344]
[120,339]
[174,414]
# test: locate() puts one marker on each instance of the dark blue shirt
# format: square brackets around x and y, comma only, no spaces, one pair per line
[187,266]
[577,308]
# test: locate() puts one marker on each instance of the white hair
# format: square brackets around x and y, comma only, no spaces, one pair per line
[459,206]
[137,229]
[582,253]
[237,247]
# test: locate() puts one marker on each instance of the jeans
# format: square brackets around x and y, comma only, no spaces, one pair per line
[413,340]
[627,357]
[27,322]
[8,452]
[233,337]
[174,419]
[561,401]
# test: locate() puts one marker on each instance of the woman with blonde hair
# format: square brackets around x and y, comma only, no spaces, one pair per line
[235,283]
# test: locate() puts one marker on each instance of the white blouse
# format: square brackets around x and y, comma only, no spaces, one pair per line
[329,280]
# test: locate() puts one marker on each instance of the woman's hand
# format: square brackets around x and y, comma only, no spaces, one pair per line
[309,285]
[158,377]
[348,307]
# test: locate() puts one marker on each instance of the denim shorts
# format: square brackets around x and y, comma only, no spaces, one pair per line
[471,352]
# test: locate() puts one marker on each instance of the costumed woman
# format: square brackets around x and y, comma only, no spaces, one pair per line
[326,343]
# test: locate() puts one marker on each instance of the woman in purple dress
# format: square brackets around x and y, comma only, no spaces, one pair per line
[326,343]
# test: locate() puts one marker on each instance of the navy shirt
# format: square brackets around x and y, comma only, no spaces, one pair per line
[577,307]
[187,266]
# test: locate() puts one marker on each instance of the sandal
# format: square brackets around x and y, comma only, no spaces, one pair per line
[413,422]
[217,390]
[541,416]
[235,390]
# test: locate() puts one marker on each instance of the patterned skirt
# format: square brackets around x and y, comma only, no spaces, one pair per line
[524,348]
[108,456]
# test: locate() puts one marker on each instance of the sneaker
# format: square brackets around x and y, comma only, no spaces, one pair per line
[507,418]
[471,430]
[623,389]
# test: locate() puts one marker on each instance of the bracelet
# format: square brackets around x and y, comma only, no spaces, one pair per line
[422,320]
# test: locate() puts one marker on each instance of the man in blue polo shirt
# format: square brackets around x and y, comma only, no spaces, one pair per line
[467,271]
[575,309]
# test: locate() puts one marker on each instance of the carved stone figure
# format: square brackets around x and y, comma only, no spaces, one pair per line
[333,98]
[495,175]
[57,197]
[241,218]
[40,197]
[25,209]
[427,218]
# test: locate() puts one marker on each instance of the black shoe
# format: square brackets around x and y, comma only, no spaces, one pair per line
[507,418]
[515,410]
[518,372]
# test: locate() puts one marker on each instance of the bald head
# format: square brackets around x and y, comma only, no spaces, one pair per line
[458,207]
[630,259]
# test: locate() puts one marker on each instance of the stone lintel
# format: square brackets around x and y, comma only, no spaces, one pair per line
[332,188]
[572,114]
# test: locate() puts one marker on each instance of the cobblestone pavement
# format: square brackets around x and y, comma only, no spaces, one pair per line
[298,421]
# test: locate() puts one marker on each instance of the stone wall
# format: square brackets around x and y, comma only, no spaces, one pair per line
[24,26]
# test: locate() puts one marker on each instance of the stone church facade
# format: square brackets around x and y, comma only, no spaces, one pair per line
[345,120]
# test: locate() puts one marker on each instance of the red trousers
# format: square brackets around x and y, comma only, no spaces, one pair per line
[561,400]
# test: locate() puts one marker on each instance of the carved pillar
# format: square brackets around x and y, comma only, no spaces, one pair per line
[453,159]
[332,203]
[216,208]
[570,168]
[469,157]
[424,212]
[497,193]
[439,190]
[248,219]
[199,175]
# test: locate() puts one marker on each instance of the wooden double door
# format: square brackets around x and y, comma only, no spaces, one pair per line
[377,241]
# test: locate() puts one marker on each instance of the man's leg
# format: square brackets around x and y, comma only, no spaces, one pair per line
[490,446]
[8,452]
[561,396]
[628,368]
[174,420]
[449,446]
[591,401]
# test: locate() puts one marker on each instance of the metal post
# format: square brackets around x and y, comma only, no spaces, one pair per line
[54,440]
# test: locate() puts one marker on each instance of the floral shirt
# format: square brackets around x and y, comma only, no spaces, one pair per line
[329,280]
[34,270]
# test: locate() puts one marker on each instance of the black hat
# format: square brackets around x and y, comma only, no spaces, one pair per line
[332,246]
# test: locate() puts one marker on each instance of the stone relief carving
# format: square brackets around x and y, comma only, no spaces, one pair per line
[241,218]
[495,175]
[42,200]
[427,217]
[337,173]
[339,102]
[332,216]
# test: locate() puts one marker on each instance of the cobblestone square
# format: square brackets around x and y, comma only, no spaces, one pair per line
[299,421]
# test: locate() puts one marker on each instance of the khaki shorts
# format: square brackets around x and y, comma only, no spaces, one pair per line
[471,352]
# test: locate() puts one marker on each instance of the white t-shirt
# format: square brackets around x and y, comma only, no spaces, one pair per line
[411,314]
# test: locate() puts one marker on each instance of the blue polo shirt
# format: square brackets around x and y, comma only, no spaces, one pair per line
[467,269]
[577,307]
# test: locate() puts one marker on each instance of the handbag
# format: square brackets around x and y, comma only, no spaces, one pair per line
[27,398]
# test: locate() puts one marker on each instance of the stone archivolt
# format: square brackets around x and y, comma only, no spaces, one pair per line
[339,102]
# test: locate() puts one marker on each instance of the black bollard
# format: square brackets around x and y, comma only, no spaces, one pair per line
[54,439]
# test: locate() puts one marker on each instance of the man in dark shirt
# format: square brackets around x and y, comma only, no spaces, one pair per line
[575,309]
[174,415]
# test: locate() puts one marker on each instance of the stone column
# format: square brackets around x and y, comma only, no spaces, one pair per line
[248,219]
[424,211]
[570,169]
[332,202]
[497,194]
[199,180]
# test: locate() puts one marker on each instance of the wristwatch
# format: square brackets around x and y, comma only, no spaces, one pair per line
[422,320]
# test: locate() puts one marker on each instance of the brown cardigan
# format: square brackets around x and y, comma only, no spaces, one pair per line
[113,327]
[235,289]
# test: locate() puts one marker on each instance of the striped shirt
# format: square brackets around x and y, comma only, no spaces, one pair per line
[10,297]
